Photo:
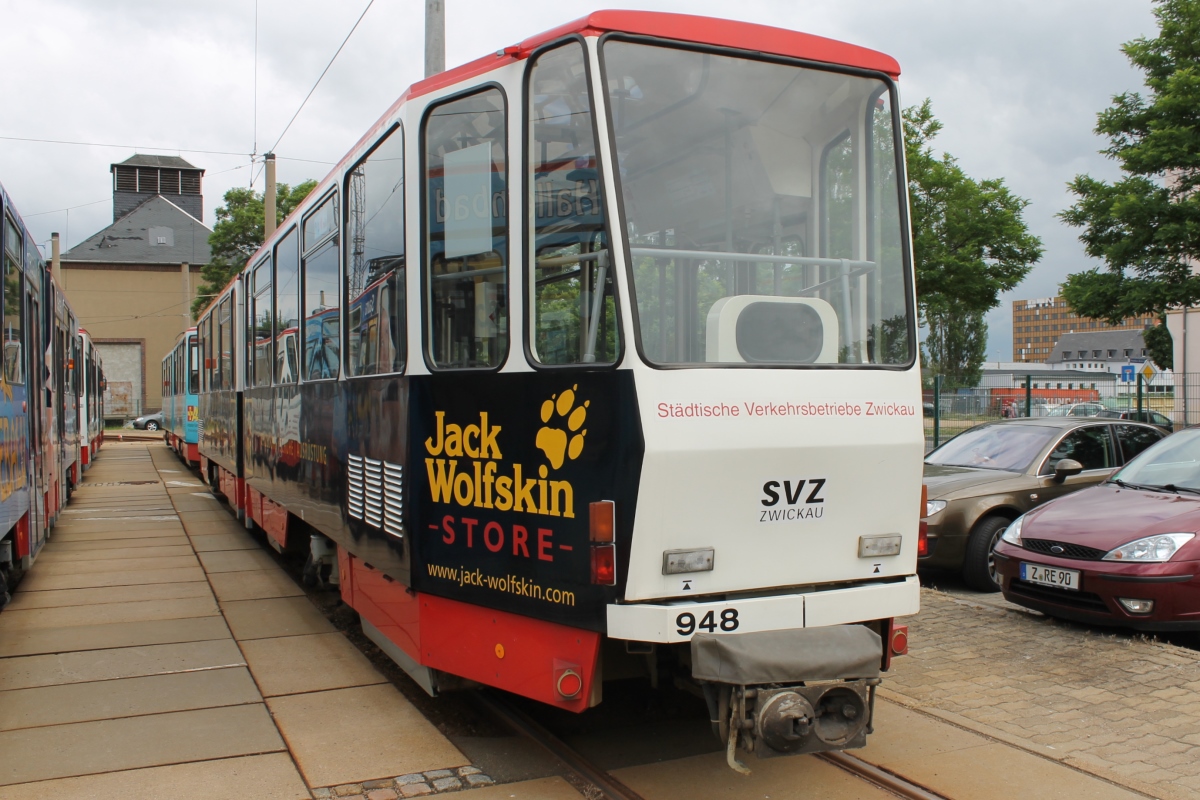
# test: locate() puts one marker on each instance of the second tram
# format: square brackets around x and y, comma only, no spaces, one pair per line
[648,399]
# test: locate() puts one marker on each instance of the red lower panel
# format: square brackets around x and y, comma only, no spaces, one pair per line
[274,521]
[544,661]
[22,536]
[84,453]
[193,451]
[386,604]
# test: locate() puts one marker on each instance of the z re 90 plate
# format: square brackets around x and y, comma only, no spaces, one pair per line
[1050,576]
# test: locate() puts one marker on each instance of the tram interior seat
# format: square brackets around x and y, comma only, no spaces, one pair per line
[772,329]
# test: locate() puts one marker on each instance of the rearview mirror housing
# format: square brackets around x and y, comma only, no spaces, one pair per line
[1066,468]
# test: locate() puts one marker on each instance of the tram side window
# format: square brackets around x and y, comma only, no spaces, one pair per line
[465,189]
[321,314]
[224,344]
[376,300]
[571,283]
[261,337]
[193,367]
[14,361]
[204,340]
[287,308]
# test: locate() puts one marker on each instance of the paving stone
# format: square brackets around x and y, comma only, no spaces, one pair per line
[415,777]
[54,669]
[119,634]
[382,794]
[269,618]
[253,585]
[386,783]
[433,775]
[478,780]
[309,663]
[415,789]
[348,789]
[322,793]
[469,770]
[447,784]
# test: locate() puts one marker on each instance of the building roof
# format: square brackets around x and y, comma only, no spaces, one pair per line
[159,162]
[1077,375]
[156,232]
[1120,341]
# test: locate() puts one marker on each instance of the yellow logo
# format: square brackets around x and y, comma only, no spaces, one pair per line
[556,442]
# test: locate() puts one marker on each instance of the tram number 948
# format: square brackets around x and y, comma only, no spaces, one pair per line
[686,625]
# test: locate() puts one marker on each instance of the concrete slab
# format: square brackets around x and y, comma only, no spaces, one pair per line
[358,734]
[60,534]
[253,585]
[37,581]
[91,544]
[236,561]
[53,555]
[92,567]
[85,748]
[126,697]
[23,601]
[794,778]
[313,663]
[54,669]
[957,763]
[269,777]
[104,613]
[224,541]
[269,618]
[209,527]
[165,524]
[119,634]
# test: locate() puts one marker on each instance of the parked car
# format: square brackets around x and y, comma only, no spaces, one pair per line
[1152,417]
[1077,410]
[149,422]
[1124,553]
[987,476]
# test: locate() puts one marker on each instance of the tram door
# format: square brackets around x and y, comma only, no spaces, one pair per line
[35,377]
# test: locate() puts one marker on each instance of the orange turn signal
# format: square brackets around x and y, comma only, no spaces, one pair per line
[603,521]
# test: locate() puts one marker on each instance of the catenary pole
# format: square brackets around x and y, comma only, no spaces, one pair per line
[435,37]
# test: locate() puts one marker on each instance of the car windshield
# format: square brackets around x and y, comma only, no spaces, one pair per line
[1005,447]
[763,209]
[1175,461]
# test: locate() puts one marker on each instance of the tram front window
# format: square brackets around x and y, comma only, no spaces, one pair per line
[762,205]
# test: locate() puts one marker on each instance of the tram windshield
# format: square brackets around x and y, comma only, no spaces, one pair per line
[762,205]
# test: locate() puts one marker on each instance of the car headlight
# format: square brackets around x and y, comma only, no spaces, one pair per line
[1012,534]
[1152,549]
[934,506]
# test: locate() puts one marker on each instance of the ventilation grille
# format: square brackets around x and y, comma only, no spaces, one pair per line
[200,430]
[375,493]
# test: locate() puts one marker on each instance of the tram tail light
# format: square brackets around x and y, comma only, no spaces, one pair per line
[922,538]
[602,522]
[604,564]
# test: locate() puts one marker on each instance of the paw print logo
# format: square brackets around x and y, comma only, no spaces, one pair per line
[561,437]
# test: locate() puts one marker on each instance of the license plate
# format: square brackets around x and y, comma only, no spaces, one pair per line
[1050,576]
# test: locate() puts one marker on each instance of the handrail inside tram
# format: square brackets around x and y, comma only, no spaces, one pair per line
[807,261]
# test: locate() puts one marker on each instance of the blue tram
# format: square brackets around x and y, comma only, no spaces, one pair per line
[181,406]
[41,378]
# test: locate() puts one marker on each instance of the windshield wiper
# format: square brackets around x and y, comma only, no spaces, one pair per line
[1170,487]
[1141,486]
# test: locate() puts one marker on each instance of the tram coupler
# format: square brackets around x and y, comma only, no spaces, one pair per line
[789,692]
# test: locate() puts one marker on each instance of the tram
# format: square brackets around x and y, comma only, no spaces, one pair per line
[39,398]
[91,401]
[181,381]
[648,399]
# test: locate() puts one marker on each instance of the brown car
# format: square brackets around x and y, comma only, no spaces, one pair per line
[989,475]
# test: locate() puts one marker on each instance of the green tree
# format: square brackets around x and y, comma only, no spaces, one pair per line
[1146,225]
[956,344]
[970,243]
[239,233]
[1160,345]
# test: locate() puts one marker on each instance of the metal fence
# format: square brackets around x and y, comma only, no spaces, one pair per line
[1170,401]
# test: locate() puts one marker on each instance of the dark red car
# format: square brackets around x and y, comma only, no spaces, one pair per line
[1124,553]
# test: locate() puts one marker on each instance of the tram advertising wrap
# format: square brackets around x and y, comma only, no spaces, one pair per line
[505,490]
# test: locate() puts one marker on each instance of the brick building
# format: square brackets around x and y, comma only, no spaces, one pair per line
[1039,324]
[132,283]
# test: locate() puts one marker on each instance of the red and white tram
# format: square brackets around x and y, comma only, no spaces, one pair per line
[649,388]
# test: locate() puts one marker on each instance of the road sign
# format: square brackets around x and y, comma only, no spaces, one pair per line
[1128,373]
[1148,372]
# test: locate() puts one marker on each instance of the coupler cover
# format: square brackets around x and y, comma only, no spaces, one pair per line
[789,692]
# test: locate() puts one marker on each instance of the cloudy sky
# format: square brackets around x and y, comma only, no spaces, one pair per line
[1016,82]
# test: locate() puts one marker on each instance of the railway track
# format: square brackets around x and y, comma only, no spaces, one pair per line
[611,788]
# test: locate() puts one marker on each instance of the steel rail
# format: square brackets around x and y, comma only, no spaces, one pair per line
[524,725]
[880,777]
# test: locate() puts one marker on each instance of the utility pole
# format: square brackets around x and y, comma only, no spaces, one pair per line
[269,198]
[435,37]
[56,260]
